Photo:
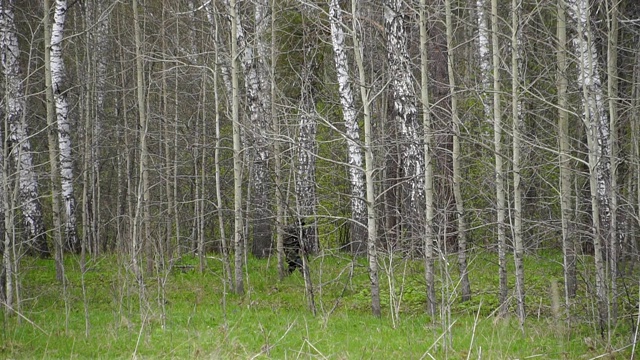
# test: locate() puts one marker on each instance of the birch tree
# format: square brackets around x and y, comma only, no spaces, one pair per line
[516,114]
[405,112]
[354,151]
[353,144]
[256,80]
[18,132]
[568,242]
[457,176]
[64,125]
[237,156]
[98,15]
[141,218]
[52,145]
[307,149]
[497,148]
[597,128]
[614,235]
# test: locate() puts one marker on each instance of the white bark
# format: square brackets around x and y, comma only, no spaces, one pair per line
[372,233]
[354,151]
[18,133]
[259,102]
[615,237]
[64,126]
[406,113]
[99,45]
[237,153]
[597,127]
[516,113]
[499,172]
[484,57]
[430,236]
[307,148]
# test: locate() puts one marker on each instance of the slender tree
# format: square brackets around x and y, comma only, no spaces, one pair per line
[256,71]
[429,237]
[597,128]
[141,218]
[456,123]
[354,150]
[237,152]
[307,149]
[372,231]
[516,114]
[52,145]
[614,235]
[60,89]
[358,205]
[18,132]
[497,148]
[568,243]
[405,113]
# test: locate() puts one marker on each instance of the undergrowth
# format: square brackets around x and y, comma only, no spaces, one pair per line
[185,314]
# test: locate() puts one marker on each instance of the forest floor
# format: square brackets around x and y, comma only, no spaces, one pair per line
[185,314]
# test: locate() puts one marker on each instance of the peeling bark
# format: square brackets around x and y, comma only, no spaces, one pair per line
[64,127]
[18,133]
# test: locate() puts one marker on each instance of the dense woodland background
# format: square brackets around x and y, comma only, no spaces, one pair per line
[431,129]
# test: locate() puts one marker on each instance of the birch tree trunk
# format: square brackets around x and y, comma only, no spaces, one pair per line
[6,286]
[499,172]
[227,276]
[99,45]
[51,142]
[456,122]
[237,152]
[597,128]
[372,231]
[253,69]
[279,197]
[307,149]
[354,152]
[18,133]
[353,146]
[64,126]
[614,236]
[429,238]
[259,102]
[6,276]
[516,113]
[141,217]
[568,241]
[406,115]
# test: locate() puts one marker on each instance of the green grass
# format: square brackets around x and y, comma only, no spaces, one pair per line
[192,319]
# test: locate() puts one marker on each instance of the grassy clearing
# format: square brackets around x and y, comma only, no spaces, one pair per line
[192,318]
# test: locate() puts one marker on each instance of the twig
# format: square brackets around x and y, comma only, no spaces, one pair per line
[25,318]
[438,339]
[473,333]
